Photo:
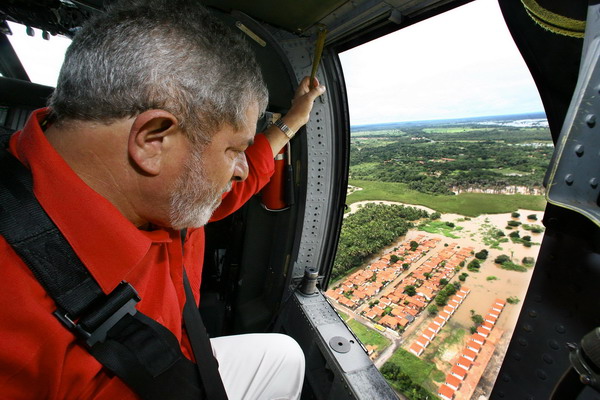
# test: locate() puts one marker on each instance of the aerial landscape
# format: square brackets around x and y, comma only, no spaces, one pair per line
[438,247]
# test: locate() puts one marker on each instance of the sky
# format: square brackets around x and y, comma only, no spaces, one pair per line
[462,63]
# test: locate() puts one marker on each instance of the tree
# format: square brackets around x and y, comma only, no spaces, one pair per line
[443,281]
[482,255]
[413,245]
[394,259]
[526,238]
[433,309]
[501,259]
[514,234]
[528,260]
[410,290]
[515,215]
[474,265]
[435,215]
[477,319]
[405,266]
[463,277]
[532,217]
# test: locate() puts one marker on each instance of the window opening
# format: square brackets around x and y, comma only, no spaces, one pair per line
[41,58]
[446,120]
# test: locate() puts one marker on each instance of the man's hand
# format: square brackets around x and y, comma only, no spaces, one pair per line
[299,113]
[302,103]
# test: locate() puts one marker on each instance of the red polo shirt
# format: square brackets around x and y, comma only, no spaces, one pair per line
[39,358]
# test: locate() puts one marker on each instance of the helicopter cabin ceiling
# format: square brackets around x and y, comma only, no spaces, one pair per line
[305,17]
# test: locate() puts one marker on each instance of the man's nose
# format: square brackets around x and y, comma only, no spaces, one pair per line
[240,173]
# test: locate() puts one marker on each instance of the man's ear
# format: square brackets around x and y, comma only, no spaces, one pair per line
[150,136]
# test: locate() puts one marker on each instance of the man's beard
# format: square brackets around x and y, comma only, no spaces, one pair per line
[194,197]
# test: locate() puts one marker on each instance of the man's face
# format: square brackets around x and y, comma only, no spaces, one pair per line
[209,172]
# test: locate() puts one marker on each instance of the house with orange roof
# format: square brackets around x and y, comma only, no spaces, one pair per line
[487,325]
[446,392]
[370,349]
[439,321]
[425,292]
[371,314]
[398,311]
[389,321]
[500,302]
[459,372]
[429,334]
[411,311]
[416,349]
[422,341]
[449,310]
[433,327]
[483,332]
[394,299]
[343,300]
[403,322]
[378,310]
[477,338]
[453,381]
[497,307]
[456,298]
[469,354]
[444,315]
[491,319]
[453,304]
[464,362]
[385,301]
[493,313]
[474,346]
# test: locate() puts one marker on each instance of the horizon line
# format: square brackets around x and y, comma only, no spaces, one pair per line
[447,119]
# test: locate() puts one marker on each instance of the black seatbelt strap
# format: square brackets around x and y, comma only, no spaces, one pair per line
[207,364]
[137,349]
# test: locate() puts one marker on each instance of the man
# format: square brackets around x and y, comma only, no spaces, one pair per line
[150,130]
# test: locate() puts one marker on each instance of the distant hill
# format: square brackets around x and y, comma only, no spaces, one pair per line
[413,124]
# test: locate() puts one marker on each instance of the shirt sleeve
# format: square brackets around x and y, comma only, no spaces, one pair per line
[261,166]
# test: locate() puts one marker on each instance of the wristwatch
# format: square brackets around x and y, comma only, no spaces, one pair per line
[284,128]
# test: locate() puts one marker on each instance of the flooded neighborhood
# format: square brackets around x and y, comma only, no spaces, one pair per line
[442,293]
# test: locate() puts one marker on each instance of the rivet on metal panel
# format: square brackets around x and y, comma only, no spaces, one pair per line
[548,358]
[528,328]
[533,313]
[553,344]
[569,179]
[579,150]
[541,374]
[590,120]
[506,377]
[517,356]
[522,342]
[560,329]
[594,183]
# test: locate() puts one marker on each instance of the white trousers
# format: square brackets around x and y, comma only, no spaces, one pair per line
[267,366]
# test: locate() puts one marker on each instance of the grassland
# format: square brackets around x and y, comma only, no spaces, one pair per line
[468,204]
[420,371]
[441,228]
[368,335]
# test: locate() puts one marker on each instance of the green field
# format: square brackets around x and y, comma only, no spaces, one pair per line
[441,228]
[368,335]
[468,204]
[420,371]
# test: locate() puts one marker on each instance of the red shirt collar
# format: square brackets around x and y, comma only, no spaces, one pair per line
[106,242]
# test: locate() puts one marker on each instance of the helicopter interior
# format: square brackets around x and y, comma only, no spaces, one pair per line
[266,269]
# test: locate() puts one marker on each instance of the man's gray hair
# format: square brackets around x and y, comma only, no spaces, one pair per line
[159,54]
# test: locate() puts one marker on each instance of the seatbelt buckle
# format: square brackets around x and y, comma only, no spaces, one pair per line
[94,326]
